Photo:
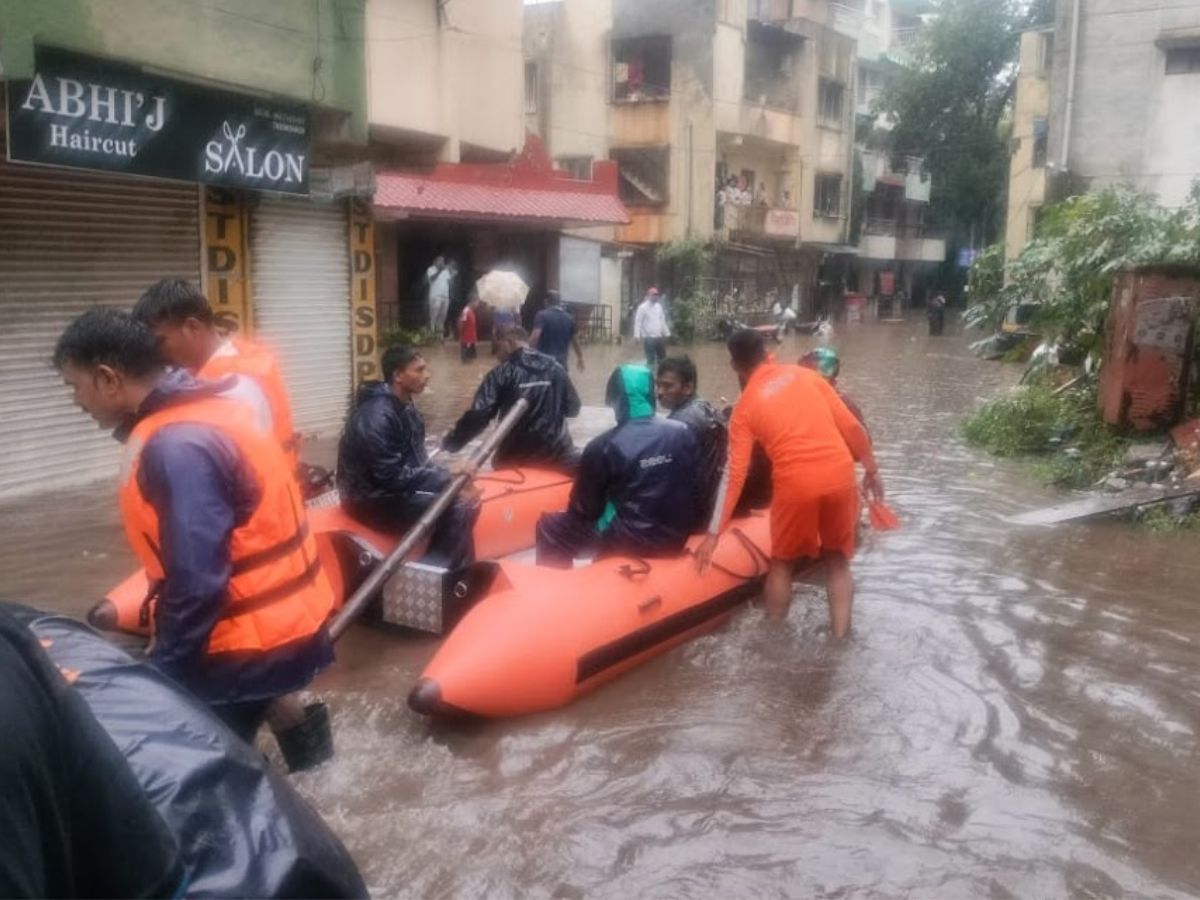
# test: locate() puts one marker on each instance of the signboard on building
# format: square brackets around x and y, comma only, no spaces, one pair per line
[225,258]
[88,113]
[362,300]
[782,223]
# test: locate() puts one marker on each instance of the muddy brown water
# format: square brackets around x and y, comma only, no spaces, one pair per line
[1015,716]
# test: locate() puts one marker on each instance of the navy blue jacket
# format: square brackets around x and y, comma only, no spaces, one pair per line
[541,435]
[201,488]
[639,480]
[381,456]
[712,436]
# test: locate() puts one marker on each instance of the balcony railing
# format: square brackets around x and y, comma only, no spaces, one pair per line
[891,228]
[846,19]
[774,93]
[760,221]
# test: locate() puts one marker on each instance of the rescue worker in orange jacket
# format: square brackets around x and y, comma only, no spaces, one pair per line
[183,322]
[213,513]
[813,442]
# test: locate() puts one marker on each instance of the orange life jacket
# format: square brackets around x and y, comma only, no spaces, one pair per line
[278,592]
[256,362]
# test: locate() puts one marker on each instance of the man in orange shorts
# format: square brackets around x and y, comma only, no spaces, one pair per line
[813,442]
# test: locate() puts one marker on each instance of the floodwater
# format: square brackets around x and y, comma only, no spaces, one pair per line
[1015,716]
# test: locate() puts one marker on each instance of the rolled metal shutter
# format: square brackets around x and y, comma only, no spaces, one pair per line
[300,268]
[70,241]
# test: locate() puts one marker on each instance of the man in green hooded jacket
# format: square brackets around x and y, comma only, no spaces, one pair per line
[637,491]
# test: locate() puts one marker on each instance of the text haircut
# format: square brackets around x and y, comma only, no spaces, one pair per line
[108,337]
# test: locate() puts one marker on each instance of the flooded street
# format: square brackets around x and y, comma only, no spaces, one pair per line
[1016,713]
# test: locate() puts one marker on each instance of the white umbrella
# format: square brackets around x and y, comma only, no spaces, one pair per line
[502,289]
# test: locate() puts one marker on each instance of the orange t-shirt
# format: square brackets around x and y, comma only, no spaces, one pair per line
[810,436]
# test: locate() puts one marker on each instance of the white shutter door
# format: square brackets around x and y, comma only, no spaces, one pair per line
[70,241]
[300,266]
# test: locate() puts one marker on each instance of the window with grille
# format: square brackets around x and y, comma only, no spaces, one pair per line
[828,196]
[644,175]
[641,68]
[831,99]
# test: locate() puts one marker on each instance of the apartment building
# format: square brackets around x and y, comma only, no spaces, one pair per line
[1030,140]
[897,254]
[1106,96]
[732,120]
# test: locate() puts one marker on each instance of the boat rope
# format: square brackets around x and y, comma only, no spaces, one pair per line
[520,479]
[639,567]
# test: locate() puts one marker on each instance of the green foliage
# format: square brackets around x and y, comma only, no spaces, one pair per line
[1080,246]
[1068,442]
[412,337]
[687,264]
[1022,422]
[949,107]
[986,283]
[1164,519]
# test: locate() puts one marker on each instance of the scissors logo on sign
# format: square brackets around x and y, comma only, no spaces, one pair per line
[234,152]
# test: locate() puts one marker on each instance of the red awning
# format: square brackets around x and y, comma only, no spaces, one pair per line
[417,195]
[529,189]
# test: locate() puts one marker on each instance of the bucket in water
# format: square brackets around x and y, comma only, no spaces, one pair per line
[310,743]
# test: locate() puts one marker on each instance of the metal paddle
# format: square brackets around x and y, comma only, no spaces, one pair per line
[386,569]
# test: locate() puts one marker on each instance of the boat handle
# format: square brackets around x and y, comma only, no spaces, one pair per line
[650,603]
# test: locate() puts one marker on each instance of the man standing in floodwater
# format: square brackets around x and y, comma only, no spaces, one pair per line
[813,442]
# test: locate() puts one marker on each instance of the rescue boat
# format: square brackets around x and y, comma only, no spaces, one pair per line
[543,637]
[512,501]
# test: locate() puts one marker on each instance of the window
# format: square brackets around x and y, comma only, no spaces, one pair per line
[828,201]
[531,88]
[1041,132]
[579,167]
[1183,60]
[641,69]
[1046,60]
[644,175]
[771,65]
[831,98]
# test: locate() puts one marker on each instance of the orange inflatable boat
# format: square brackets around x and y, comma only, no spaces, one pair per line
[543,637]
[512,502]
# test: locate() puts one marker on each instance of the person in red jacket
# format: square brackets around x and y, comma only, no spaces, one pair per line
[468,331]
[813,442]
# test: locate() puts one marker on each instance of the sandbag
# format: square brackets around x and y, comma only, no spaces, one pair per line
[243,831]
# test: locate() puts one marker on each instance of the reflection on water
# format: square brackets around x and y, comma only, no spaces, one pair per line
[1015,716]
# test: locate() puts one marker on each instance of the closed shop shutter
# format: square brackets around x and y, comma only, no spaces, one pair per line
[69,241]
[300,267]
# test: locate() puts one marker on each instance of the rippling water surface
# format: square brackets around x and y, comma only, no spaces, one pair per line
[1015,714]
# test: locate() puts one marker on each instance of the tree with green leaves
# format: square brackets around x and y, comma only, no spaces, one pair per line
[949,107]
[1069,267]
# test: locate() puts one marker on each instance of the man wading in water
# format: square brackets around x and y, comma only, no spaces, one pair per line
[813,441]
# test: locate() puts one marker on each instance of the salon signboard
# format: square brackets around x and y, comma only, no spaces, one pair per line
[89,113]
